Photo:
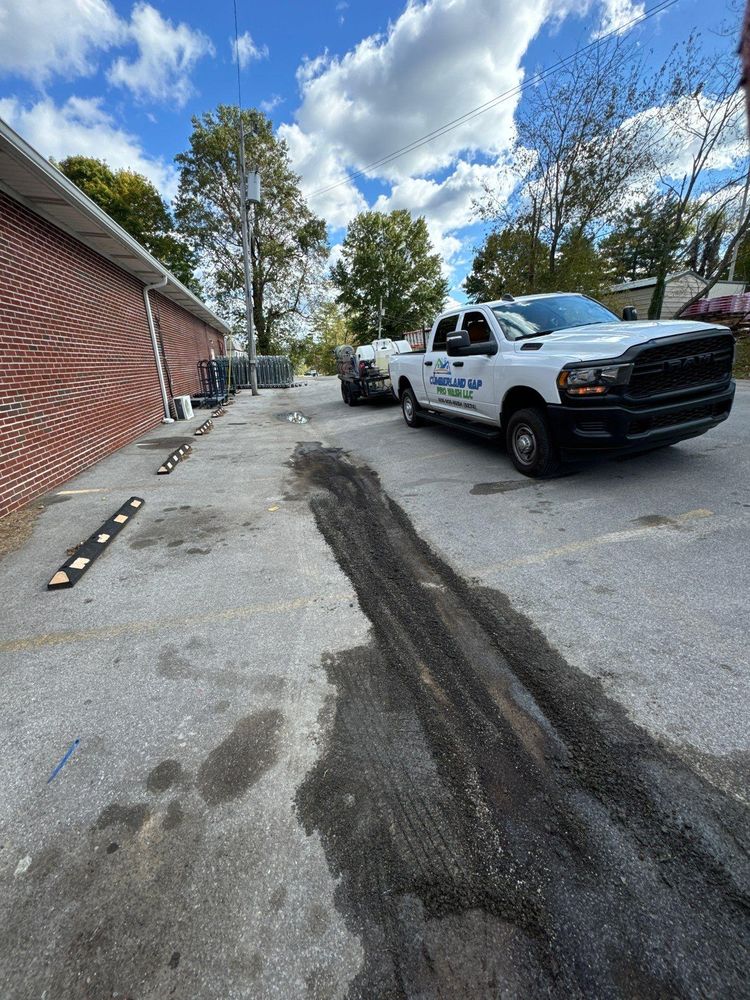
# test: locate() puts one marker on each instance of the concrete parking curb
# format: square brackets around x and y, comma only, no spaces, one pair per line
[171,461]
[71,571]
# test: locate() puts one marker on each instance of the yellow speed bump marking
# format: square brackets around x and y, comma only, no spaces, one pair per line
[272,509]
[610,538]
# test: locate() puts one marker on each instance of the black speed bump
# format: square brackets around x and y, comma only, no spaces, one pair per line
[204,428]
[71,571]
[171,460]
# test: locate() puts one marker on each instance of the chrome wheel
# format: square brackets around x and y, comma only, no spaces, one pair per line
[525,444]
[408,408]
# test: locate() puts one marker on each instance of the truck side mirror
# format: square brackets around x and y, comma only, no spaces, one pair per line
[459,345]
[629,314]
[456,342]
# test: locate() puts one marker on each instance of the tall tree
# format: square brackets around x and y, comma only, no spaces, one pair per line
[510,260]
[388,277]
[639,238]
[579,145]
[133,202]
[701,149]
[289,246]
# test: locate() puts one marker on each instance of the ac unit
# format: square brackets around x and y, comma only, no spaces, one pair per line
[183,408]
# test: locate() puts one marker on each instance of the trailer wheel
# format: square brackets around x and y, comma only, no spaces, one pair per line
[353,396]
[530,444]
[410,408]
[345,392]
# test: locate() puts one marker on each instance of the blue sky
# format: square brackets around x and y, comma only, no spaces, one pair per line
[344,82]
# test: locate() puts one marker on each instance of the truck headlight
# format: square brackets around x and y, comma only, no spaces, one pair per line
[592,381]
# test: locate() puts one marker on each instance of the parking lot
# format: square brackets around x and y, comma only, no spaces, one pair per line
[362,712]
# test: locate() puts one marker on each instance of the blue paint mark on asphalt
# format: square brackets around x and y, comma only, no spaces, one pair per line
[64,760]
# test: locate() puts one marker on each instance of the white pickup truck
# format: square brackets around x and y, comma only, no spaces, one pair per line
[562,377]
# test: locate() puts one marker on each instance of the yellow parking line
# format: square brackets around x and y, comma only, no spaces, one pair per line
[73,493]
[134,628]
[611,538]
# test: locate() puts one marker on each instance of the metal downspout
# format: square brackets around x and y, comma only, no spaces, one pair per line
[166,419]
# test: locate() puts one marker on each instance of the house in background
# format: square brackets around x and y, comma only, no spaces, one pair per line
[680,288]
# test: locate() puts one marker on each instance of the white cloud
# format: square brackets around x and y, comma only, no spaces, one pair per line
[81,126]
[271,104]
[617,16]
[438,60]
[167,54]
[319,166]
[448,205]
[247,50]
[42,38]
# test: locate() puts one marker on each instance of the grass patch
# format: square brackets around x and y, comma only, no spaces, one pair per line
[742,357]
[16,528]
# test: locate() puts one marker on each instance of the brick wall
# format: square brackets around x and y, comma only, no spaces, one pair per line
[77,372]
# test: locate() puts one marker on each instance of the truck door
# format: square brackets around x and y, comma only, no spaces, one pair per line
[436,363]
[471,386]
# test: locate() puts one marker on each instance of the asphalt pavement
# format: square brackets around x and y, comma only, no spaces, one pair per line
[362,712]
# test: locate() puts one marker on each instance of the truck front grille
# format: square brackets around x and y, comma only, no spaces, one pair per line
[685,365]
[674,417]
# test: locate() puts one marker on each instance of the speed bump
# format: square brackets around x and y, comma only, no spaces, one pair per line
[204,428]
[87,552]
[171,460]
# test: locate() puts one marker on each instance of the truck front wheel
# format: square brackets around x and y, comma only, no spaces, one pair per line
[530,444]
[410,408]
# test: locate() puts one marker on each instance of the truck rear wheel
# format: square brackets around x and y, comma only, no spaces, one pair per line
[530,444]
[410,408]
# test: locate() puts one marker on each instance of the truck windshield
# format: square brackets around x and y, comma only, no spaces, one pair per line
[545,315]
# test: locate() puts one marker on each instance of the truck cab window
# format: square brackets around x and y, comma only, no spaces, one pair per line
[477,327]
[446,325]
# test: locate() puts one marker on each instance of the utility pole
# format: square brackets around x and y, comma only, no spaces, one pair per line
[249,193]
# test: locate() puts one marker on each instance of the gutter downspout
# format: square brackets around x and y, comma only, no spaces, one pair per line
[167,419]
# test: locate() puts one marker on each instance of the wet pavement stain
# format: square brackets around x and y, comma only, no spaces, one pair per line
[132,817]
[655,521]
[163,776]
[497,825]
[509,486]
[242,758]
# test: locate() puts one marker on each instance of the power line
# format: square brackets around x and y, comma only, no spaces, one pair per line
[480,109]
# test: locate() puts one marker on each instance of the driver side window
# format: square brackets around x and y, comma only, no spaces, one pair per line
[445,326]
[477,327]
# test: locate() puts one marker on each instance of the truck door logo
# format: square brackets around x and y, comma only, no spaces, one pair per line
[443,366]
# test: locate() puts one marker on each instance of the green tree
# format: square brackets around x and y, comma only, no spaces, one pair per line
[289,246]
[330,330]
[510,260]
[133,202]
[388,276]
[639,239]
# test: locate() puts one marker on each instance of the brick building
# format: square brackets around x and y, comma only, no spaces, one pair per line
[84,368]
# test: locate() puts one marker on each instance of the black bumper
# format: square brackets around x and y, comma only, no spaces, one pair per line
[590,428]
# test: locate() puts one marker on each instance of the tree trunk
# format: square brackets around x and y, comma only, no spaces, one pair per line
[657,299]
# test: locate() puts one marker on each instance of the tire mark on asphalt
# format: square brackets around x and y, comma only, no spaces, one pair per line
[593,861]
